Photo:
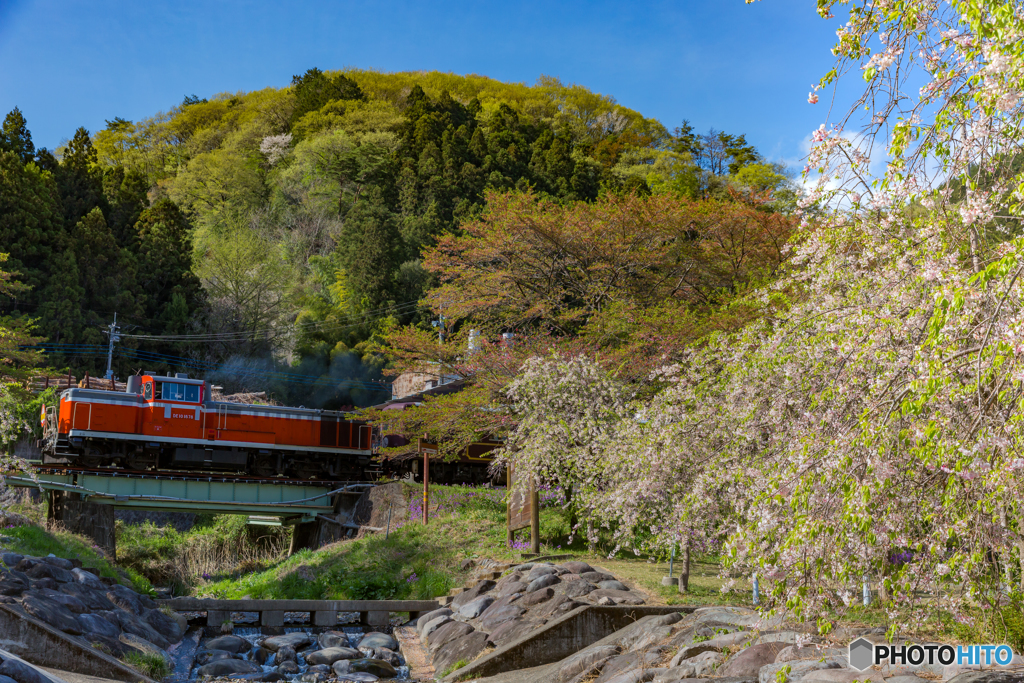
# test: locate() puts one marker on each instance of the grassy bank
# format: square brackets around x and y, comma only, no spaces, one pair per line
[20,534]
[215,547]
[415,561]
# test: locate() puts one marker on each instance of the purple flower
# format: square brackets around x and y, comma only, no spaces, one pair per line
[412,578]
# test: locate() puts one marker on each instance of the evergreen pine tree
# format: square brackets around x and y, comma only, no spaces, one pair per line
[14,136]
[79,179]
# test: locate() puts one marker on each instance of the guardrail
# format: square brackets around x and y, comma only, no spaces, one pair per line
[322,612]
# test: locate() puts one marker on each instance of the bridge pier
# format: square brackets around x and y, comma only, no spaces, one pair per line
[79,517]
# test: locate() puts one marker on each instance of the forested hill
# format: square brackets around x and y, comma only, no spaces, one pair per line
[281,230]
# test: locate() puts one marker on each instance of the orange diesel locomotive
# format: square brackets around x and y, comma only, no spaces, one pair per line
[171,423]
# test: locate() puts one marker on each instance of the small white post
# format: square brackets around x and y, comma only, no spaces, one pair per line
[757,591]
[867,591]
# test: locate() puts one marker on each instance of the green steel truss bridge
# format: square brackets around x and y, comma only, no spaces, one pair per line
[265,500]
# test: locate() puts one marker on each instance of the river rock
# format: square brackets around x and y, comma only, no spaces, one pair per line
[750,659]
[613,585]
[111,646]
[577,589]
[524,567]
[511,588]
[94,600]
[430,616]
[596,577]
[272,677]
[577,567]
[87,578]
[319,669]
[44,570]
[226,667]
[542,582]
[207,656]
[433,625]
[586,661]
[330,655]
[45,584]
[92,624]
[52,613]
[232,644]
[59,562]
[128,603]
[491,619]
[312,677]
[541,570]
[513,630]
[798,669]
[466,647]
[376,667]
[389,656]
[373,640]
[70,602]
[473,609]
[22,672]
[536,597]
[296,640]
[11,559]
[132,624]
[288,667]
[446,633]
[163,624]
[346,676]
[625,663]
[286,653]
[333,639]
[472,594]
[10,584]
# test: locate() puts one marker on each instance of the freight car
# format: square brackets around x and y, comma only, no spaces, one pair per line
[171,423]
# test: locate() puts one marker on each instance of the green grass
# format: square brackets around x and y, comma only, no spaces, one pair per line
[455,667]
[29,539]
[149,664]
[214,548]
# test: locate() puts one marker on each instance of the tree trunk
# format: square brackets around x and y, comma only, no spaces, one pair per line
[684,576]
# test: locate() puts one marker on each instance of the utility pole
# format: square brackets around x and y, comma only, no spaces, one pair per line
[439,324]
[114,337]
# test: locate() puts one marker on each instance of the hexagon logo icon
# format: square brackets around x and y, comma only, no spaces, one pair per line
[862,654]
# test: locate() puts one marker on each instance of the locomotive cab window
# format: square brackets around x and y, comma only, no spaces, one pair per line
[148,391]
[173,391]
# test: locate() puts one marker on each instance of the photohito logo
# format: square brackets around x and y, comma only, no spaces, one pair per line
[864,653]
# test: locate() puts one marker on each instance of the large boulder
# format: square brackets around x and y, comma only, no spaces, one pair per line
[797,669]
[59,562]
[45,570]
[146,647]
[510,588]
[632,661]
[648,631]
[11,559]
[227,667]
[536,597]
[130,623]
[286,653]
[163,624]
[446,633]
[11,584]
[87,578]
[576,589]
[613,585]
[330,655]
[333,639]
[73,604]
[513,630]
[492,618]
[230,643]
[109,645]
[52,613]
[433,625]
[430,616]
[22,672]
[543,582]
[474,608]
[288,667]
[466,648]
[596,577]
[128,601]
[207,656]
[376,667]
[586,661]
[92,624]
[472,594]
[374,640]
[577,567]
[295,640]
[749,660]
[95,600]
[540,570]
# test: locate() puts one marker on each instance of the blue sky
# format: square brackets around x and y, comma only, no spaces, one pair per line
[740,68]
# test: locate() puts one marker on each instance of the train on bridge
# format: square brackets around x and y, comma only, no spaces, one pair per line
[171,423]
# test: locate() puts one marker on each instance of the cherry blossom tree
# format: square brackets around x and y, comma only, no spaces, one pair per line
[867,423]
